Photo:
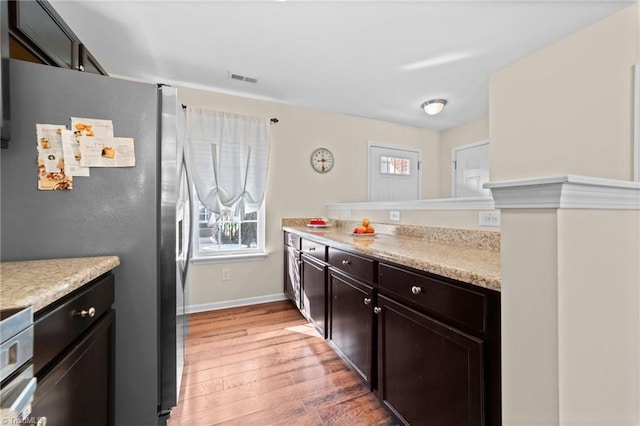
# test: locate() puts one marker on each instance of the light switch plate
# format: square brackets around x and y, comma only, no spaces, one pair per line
[347,214]
[394,215]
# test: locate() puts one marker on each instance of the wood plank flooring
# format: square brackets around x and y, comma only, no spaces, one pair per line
[265,365]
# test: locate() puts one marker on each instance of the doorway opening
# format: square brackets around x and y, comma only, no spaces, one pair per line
[470,169]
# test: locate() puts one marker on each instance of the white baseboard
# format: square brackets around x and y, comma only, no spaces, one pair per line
[214,306]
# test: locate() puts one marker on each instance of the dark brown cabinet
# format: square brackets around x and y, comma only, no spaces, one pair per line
[4,75]
[351,303]
[74,357]
[79,389]
[428,373]
[31,30]
[351,322]
[438,349]
[87,63]
[426,345]
[38,34]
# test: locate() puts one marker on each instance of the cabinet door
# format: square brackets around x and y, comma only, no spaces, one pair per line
[313,292]
[292,274]
[351,318]
[79,390]
[428,373]
[87,63]
[40,29]
[4,75]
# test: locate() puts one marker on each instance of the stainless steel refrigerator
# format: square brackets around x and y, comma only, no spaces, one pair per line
[129,212]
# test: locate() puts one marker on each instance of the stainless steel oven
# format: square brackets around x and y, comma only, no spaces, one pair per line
[17,382]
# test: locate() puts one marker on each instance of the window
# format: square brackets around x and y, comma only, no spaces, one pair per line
[225,235]
[395,166]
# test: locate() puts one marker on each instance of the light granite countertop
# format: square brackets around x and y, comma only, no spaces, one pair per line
[457,257]
[38,283]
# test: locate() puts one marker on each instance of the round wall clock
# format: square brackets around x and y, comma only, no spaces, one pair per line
[322,160]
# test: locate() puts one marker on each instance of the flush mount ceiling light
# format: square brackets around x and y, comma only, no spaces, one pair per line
[434,106]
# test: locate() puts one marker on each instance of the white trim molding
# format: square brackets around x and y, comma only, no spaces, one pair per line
[472,203]
[214,306]
[566,192]
[636,124]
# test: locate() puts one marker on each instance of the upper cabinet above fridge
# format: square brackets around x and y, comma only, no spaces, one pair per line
[4,75]
[38,34]
[31,30]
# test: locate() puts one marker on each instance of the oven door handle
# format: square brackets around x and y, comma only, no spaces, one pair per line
[16,404]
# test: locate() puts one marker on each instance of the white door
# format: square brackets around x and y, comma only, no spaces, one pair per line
[394,174]
[470,170]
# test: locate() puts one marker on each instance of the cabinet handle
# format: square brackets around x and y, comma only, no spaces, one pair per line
[377,310]
[91,312]
[80,68]
[312,249]
[416,289]
[346,263]
[367,301]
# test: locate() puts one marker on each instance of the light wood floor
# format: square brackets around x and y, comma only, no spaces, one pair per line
[264,365]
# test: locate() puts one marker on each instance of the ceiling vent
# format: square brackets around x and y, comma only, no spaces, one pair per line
[239,77]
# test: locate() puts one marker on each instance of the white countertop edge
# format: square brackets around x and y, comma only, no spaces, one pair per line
[472,203]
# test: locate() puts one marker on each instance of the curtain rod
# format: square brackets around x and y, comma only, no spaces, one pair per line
[273,120]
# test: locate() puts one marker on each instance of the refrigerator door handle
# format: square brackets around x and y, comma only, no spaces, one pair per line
[191,215]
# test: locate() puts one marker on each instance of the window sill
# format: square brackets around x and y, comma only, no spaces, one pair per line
[230,257]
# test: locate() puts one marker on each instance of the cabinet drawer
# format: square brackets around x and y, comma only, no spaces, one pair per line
[357,266]
[292,240]
[57,328]
[439,297]
[319,251]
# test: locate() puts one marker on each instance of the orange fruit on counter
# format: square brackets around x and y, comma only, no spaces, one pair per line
[369,230]
[365,222]
[360,230]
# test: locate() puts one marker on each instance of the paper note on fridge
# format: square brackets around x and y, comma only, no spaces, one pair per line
[96,151]
[71,149]
[91,127]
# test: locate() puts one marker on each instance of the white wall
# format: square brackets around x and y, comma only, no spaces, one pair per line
[294,189]
[598,306]
[570,278]
[529,317]
[570,302]
[567,109]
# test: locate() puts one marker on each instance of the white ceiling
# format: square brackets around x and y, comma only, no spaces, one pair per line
[375,59]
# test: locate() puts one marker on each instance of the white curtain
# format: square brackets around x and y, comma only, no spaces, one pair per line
[228,156]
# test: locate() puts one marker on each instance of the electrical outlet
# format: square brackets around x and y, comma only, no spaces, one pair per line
[394,215]
[347,214]
[490,218]
[226,274]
